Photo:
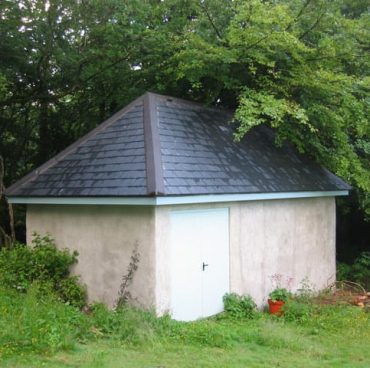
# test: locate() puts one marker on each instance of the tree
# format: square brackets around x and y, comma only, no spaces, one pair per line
[300,66]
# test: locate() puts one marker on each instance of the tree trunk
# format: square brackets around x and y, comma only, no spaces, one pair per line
[6,239]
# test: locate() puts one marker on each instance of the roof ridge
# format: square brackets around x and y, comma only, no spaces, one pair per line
[54,160]
[193,103]
[152,144]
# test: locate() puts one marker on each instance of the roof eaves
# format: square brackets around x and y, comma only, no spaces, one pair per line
[35,173]
[155,182]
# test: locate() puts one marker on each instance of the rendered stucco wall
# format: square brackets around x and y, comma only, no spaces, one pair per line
[294,238]
[104,236]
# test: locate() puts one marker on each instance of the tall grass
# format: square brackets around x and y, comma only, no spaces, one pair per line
[38,322]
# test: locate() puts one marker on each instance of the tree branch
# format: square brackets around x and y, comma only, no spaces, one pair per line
[336,57]
[204,7]
[289,26]
[318,20]
[300,13]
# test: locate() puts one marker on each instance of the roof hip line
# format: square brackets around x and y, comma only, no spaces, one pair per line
[155,182]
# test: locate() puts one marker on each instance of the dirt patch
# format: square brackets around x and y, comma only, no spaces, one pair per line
[345,292]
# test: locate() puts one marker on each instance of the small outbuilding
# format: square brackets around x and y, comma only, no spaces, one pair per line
[208,215]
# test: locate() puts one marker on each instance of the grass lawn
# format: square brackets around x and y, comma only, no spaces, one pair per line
[41,327]
[335,337]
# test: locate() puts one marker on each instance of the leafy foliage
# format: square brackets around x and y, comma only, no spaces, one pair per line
[298,311]
[358,271]
[239,306]
[21,266]
[299,66]
[70,290]
[280,294]
[37,321]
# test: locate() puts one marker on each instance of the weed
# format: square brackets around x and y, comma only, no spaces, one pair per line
[37,322]
[205,333]
[124,294]
[295,310]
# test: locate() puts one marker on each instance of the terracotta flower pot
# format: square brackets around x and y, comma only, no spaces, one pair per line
[275,307]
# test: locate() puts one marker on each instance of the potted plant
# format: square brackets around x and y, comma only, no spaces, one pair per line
[277,298]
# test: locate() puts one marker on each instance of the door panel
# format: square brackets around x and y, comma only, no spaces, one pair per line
[215,253]
[197,237]
[186,288]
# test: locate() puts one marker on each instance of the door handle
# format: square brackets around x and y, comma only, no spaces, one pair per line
[204,266]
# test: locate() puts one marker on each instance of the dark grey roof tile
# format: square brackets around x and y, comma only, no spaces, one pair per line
[110,161]
[197,143]
[193,148]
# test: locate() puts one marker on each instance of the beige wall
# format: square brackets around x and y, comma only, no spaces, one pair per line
[104,236]
[294,238]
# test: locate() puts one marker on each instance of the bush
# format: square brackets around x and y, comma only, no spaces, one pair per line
[71,292]
[239,306]
[358,272]
[20,266]
[361,270]
[343,271]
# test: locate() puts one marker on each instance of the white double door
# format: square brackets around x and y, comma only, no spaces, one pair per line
[199,262]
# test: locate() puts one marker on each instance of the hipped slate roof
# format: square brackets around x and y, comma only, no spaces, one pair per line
[162,146]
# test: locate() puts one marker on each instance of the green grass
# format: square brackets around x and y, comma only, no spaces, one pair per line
[40,332]
[261,343]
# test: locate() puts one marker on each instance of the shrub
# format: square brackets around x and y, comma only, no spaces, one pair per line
[343,271]
[239,306]
[361,270]
[21,265]
[358,272]
[71,292]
